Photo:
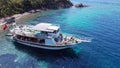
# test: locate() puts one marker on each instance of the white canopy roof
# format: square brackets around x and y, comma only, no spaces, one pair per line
[45,27]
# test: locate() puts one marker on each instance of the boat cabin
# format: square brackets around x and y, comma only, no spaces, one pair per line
[43,33]
[47,29]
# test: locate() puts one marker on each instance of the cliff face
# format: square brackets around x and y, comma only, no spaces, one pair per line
[10,7]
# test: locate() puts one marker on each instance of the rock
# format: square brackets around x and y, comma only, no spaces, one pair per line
[80,5]
[10,20]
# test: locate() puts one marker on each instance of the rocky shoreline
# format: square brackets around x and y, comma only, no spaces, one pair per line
[42,7]
[28,9]
[28,5]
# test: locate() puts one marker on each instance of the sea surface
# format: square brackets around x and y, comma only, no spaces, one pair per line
[99,22]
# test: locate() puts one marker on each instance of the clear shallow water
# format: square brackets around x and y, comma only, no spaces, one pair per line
[100,21]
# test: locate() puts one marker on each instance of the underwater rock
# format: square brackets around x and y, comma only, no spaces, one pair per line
[7,61]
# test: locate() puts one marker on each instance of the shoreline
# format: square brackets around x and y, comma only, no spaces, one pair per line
[18,17]
[60,4]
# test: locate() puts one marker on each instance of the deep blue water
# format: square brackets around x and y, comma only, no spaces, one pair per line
[100,21]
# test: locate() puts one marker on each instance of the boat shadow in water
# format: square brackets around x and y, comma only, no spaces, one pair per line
[42,54]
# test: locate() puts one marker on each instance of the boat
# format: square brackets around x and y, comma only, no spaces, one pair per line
[43,35]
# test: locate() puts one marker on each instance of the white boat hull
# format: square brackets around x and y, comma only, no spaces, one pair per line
[45,47]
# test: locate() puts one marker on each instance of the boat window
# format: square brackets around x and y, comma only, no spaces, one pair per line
[18,36]
[56,31]
[46,33]
[42,41]
[56,39]
[27,38]
[34,39]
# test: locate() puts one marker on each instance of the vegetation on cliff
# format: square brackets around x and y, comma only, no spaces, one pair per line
[10,7]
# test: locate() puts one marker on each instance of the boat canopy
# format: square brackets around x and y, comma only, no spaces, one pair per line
[47,27]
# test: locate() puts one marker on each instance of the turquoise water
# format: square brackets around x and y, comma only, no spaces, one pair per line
[100,21]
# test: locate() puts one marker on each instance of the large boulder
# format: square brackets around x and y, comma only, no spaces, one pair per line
[80,5]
